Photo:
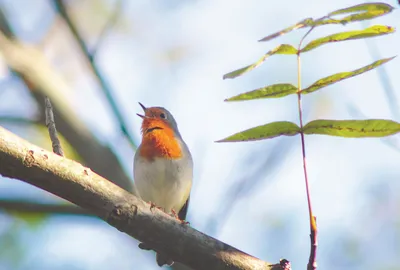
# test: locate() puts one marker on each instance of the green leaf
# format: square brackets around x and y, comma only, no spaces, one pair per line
[367,7]
[353,128]
[281,49]
[271,91]
[301,24]
[362,12]
[373,31]
[345,20]
[267,131]
[343,75]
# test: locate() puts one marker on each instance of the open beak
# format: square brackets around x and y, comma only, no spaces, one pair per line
[144,109]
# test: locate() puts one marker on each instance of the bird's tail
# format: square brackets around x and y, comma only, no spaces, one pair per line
[162,259]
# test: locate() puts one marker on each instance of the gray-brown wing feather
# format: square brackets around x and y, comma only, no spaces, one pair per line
[183,212]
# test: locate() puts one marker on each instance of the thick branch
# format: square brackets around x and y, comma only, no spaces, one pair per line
[70,180]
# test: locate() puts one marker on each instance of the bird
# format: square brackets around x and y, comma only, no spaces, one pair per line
[163,167]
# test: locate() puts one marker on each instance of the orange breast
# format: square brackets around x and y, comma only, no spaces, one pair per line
[160,142]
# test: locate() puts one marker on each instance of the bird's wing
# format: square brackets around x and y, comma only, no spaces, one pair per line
[182,213]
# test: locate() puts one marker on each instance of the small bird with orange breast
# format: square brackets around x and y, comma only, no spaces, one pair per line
[163,166]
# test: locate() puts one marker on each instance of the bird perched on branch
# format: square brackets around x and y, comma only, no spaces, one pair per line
[163,166]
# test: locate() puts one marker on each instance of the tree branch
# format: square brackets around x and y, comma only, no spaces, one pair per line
[70,180]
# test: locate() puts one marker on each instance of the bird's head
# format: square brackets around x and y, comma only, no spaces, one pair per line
[158,118]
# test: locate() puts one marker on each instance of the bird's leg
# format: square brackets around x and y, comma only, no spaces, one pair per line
[175,215]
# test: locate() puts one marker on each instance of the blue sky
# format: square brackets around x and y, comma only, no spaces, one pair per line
[174,55]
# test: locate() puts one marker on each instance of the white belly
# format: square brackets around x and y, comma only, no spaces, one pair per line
[166,183]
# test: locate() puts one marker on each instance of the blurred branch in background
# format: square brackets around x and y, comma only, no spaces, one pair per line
[105,86]
[23,206]
[108,26]
[389,93]
[384,78]
[42,80]
[247,182]
[18,120]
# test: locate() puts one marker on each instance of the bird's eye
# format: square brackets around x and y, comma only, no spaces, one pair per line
[162,115]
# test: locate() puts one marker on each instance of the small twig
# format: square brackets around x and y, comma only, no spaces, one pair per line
[107,27]
[312,264]
[51,125]
[312,261]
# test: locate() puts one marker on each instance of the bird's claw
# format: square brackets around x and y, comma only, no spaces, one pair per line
[175,215]
[153,205]
[184,222]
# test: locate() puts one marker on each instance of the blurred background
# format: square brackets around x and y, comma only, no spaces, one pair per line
[96,59]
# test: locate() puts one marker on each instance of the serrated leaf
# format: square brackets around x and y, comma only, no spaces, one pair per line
[353,128]
[373,31]
[301,24]
[281,49]
[268,131]
[271,91]
[343,75]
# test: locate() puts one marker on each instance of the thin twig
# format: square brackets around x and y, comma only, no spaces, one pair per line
[102,81]
[312,263]
[108,26]
[51,125]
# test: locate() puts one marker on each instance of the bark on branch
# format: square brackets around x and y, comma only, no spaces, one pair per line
[70,180]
